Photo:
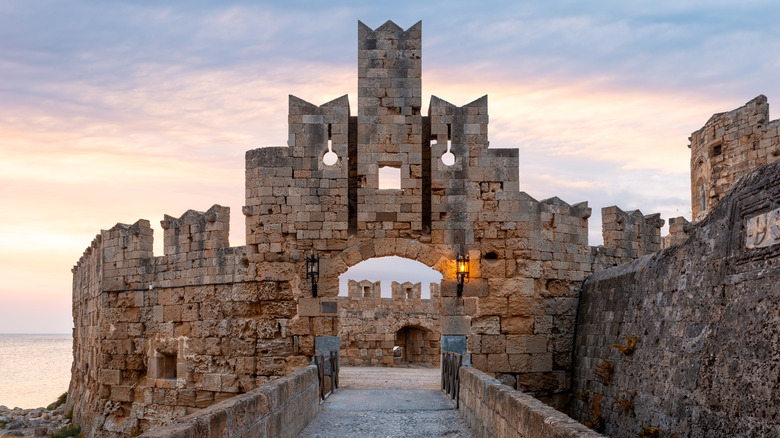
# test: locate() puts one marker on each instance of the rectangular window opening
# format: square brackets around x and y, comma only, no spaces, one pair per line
[389,178]
[703,198]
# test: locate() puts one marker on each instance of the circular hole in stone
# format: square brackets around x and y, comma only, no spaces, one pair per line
[330,158]
[448,158]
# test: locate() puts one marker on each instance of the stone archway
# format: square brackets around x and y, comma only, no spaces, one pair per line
[432,256]
[369,327]
[416,346]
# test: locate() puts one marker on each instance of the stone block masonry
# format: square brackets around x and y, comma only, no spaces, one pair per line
[492,410]
[278,409]
[704,315]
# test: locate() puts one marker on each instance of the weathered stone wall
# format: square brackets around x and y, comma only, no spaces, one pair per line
[369,327]
[492,410]
[281,408]
[730,145]
[156,338]
[705,317]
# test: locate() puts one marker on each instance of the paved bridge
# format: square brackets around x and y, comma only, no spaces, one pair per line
[378,402]
[394,402]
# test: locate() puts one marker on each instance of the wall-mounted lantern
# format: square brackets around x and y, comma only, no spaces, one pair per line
[313,271]
[462,271]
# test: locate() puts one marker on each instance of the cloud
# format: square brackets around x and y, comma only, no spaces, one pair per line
[115,111]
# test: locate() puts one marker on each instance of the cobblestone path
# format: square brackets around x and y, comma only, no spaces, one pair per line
[387,402]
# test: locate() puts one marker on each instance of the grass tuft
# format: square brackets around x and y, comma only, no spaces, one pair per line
[59,402]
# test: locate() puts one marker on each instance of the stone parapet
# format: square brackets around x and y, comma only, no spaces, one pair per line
[494,410]
[280,408]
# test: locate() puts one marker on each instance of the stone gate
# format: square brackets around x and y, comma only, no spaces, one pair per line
[157,337]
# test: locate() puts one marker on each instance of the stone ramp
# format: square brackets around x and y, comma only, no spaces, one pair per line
[388,402]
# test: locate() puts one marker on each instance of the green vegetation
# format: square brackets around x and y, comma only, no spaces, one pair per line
[59,402]
[65,432]
[3,424]
[69,415]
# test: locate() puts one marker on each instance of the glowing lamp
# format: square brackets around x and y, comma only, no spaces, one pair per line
[462,273]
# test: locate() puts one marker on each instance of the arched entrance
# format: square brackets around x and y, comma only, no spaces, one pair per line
[392,306]
[416,346]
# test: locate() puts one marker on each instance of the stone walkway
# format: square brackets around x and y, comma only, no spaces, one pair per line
[387,402]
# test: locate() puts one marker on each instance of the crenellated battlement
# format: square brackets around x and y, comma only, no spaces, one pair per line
[364,289]
[197,233]
[627,235]
[406,290]
[679,231]
[127,256]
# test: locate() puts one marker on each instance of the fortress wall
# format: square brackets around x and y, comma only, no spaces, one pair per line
[522,311]
[730,145]
[87,312]
[156,338]
[704,314]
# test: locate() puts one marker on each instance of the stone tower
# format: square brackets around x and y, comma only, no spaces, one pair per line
[730,145]
[389,124]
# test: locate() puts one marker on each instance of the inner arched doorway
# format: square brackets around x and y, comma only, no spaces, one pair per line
[416,346]
[389,305]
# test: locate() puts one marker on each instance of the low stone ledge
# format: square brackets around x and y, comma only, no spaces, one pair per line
[492,409]
[280,408]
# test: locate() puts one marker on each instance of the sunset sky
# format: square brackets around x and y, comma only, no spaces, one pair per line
[113,111]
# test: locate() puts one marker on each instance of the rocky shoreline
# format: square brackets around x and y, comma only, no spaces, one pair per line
[32,422]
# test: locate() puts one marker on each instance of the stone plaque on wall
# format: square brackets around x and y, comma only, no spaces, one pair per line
[763,230]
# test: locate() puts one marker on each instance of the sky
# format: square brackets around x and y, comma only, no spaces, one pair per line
[114,111]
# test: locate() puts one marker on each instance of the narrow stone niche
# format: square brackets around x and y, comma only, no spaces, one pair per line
[165,366]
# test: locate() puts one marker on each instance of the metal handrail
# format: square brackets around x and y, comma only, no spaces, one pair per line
[450,375]
[331,359]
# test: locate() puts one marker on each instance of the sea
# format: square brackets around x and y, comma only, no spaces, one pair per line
[34,369]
